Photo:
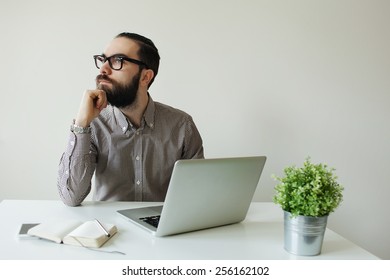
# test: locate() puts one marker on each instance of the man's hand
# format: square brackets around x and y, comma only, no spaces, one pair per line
[93,102]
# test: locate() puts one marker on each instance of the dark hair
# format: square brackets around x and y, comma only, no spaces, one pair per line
[148,53]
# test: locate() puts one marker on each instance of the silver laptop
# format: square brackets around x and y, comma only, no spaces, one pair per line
[202,193]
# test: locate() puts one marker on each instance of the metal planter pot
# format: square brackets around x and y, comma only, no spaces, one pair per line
[303,235]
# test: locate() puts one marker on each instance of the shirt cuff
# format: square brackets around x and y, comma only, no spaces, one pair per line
[79,144]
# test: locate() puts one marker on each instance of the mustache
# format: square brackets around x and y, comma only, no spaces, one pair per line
[103,77]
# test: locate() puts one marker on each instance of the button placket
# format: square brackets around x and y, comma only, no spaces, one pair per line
[138,165]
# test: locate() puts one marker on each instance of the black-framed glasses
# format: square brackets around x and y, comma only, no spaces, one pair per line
[115,61]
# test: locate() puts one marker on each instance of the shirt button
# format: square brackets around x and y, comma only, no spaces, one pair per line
[138,182]
[72,143]
[124,128]
[137,157]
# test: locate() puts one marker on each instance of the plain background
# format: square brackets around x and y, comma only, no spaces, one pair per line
[285,79]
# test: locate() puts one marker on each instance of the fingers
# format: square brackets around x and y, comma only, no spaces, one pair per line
[93,102]
[100,99]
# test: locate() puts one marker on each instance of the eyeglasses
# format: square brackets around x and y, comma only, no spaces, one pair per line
[115,61]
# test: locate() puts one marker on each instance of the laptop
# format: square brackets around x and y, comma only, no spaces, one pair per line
[202,193]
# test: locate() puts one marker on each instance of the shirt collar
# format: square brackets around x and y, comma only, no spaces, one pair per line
[148,117]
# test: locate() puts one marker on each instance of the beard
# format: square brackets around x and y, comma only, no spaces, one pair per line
[120,95]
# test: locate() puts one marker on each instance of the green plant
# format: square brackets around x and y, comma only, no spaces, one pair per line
[311,190]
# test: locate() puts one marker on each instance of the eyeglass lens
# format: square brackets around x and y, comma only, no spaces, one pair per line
[115,62]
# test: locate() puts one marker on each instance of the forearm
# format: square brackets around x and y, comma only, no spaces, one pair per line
[76,169]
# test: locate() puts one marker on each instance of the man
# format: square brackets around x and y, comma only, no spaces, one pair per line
[129,141]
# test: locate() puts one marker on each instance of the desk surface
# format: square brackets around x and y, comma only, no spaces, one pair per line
[259,236]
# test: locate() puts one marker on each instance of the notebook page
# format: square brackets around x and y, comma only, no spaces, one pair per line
[54,230]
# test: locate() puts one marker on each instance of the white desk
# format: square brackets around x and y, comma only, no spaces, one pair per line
[260,236]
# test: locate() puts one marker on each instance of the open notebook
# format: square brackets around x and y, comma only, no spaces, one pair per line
[72,232]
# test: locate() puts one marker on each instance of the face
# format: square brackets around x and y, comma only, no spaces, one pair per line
[121,86]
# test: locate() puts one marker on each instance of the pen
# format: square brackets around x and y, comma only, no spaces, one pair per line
[102,227]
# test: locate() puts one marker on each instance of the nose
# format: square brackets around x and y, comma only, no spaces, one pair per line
[105,68]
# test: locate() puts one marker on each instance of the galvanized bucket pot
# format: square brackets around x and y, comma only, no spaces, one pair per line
[303,235]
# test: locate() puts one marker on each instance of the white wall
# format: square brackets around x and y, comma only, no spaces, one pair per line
[285,79]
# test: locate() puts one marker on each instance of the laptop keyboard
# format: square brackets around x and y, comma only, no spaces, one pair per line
[152,220]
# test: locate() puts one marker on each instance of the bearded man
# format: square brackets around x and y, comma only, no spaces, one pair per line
[120,135]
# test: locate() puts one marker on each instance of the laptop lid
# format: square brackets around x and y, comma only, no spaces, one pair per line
[204,193]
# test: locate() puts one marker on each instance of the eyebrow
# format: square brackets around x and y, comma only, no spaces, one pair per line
[117,54]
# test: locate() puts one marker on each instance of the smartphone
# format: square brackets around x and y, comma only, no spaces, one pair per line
[24,229]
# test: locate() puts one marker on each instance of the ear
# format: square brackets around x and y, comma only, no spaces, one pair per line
[146,77]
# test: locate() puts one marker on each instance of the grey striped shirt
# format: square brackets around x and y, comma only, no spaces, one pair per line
[130,164]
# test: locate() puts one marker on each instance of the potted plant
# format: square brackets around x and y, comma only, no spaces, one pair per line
[307,194]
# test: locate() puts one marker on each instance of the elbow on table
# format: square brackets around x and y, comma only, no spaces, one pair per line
[71,203]
[70,200]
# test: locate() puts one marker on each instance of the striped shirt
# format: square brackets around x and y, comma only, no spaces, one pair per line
[129,163]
